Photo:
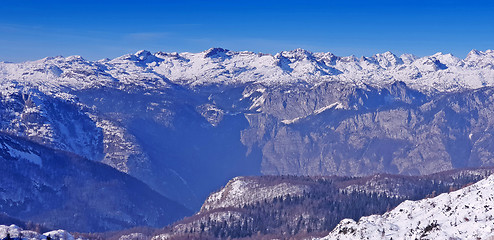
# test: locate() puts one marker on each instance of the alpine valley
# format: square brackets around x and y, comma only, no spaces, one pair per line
[147,139]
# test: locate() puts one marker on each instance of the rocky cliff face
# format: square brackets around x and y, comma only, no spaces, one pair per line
[392,129]
[185,123]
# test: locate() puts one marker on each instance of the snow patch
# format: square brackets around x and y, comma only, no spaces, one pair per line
[16,232]
[336,105]
[29,156]
[59,234]
[241,190]
[291,121]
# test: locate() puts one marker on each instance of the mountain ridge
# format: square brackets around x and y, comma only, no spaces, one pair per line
[222,66]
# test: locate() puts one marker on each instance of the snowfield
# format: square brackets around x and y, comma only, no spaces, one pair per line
[464,214]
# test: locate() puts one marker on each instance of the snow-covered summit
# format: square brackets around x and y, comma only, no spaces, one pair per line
[464,214]
[442,72]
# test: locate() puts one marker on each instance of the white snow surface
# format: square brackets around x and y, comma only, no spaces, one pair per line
[242,190]
[17,232]
[464,214]
[336,106]
[59,234]
[57,75]
[28,155]
[134,236]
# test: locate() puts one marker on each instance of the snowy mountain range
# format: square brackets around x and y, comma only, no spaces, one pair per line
[186,123]
[463,214]
[442,72]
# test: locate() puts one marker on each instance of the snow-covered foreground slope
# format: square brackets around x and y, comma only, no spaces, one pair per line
[464,214]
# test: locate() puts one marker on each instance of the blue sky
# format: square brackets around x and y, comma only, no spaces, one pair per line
[97,29]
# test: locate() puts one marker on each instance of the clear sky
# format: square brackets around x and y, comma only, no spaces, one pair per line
[97,29]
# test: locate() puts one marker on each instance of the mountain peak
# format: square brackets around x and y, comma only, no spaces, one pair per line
[389,53]
[75,58]
[473,54]
[300,50]
[388,59]
[480,60]
[408,58]
[448,59]
[215,52]
[142,54]
[51,58]
[297,53]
